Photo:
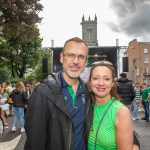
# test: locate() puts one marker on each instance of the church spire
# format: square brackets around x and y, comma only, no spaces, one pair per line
[83,18]
[95,17]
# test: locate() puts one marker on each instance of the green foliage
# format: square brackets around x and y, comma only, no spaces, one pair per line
[20,42]
[4,75]
[36,74]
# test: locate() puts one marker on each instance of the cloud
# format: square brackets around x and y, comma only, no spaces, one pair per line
[133,18]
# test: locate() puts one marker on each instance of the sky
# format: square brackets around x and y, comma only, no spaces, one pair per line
[124,20]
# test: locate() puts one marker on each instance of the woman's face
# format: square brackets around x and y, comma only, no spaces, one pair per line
[101,82]
[2,91]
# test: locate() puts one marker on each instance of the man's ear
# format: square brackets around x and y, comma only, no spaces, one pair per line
[61,57]
[87,60]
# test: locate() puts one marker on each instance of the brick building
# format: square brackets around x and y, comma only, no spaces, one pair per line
[139,61]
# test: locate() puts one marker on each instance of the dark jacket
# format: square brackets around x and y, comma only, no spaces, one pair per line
[48,123]
[19,98]
[125,91]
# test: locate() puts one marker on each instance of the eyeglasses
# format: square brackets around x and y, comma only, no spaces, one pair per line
[71,57]
[103,62]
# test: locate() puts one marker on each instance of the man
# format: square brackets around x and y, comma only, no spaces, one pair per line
[136,100]
[125,90]
[57,108]
[145,101]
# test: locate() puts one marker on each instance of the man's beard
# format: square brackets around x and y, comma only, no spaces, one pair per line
[73,74]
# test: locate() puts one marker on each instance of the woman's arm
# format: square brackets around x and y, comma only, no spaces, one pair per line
[124,129]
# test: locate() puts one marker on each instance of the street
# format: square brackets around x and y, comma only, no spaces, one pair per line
[16,140]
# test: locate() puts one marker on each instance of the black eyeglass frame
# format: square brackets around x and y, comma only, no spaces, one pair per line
[84,58]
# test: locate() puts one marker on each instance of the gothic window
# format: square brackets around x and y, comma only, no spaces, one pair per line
[89,34]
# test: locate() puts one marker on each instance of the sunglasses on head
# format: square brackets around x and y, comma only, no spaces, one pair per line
[103,62]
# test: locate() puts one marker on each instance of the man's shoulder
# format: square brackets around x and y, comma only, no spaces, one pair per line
[51,83]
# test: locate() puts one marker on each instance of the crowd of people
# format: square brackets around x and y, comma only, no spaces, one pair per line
[136,97]
[141,101]
[13,102]
[63,112]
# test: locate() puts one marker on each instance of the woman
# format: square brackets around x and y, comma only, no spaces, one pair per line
[112,124]
[19,101]
[4,105]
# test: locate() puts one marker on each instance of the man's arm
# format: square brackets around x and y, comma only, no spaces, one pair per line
[35,122]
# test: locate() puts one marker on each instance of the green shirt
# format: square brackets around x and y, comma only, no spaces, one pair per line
[145,93]
[106,138]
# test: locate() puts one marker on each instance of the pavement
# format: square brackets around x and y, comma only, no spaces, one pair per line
[142,129]
[16,140]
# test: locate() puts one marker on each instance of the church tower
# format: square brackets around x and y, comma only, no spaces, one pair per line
[89,31]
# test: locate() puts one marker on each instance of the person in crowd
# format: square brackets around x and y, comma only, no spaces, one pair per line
[9,89]
[13,86]
[31,88]
[4,85]
[112,124]
[136,101]
[27,90]
[125,90]
[145,93]
[4,105]
[28,94]
[57,108]
[19,101]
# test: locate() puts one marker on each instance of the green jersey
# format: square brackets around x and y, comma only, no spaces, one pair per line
[145,93]
[106,136]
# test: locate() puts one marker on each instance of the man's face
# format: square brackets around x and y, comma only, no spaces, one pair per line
[73,59]
[137,85]
[27,87]
[144,86]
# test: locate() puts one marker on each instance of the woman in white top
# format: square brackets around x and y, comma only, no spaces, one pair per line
[4,105]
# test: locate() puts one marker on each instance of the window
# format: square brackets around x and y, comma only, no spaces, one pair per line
[89,34]
[137,71]
[145,81]
[146,60]
[145,71]
[145,50]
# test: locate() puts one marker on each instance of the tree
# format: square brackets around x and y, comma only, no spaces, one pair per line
[28,55]
[19,40]
[4,74]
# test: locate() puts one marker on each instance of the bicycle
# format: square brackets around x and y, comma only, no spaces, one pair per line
[1,125]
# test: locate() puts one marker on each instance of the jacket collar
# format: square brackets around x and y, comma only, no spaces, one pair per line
[54,85]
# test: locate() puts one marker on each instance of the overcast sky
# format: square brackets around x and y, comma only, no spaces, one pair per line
[124,20]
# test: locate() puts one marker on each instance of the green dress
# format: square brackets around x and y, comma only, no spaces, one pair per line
[106,138]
